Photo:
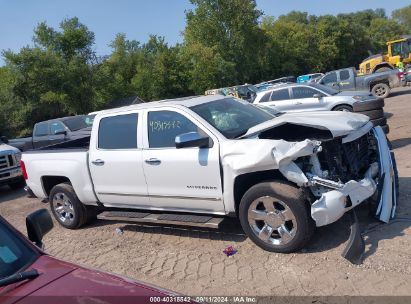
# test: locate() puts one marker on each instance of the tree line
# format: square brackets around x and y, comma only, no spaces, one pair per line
[225,42]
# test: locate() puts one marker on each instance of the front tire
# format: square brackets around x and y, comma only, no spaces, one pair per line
[66,207]
[275,216]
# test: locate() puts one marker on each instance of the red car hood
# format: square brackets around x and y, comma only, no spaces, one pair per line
[61,282]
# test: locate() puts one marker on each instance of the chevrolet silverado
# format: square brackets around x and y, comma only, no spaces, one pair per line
[196,160]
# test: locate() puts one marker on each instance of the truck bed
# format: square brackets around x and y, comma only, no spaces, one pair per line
[67,162]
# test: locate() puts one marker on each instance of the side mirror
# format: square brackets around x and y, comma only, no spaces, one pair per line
[190,140]
[4,139]
[317,96]
[38,224]
[60,132]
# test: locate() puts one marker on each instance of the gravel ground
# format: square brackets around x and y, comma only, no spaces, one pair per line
[192,262]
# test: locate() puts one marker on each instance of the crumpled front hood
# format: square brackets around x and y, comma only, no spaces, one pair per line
[337,122]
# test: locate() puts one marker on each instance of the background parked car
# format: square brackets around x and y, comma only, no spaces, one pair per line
[379,84]
[315,97]
[309,77]
[27,274]
[406,76]
[246,92]
[55,131]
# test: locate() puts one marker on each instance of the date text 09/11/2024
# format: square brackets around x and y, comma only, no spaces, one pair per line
[203,299]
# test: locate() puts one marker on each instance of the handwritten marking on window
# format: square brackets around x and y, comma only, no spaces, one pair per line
[159,125]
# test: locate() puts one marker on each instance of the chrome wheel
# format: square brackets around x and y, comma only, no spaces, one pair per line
[63,208]
[272,221]
[380,91]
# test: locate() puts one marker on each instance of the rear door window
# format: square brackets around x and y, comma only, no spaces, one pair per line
[344,75]
[280,95]
[303,92]
[118,132]
[41,129]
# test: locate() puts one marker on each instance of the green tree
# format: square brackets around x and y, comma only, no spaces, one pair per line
[161,73]
[403,16]
[382,30]
[113,77]
[229,29]
[55,77]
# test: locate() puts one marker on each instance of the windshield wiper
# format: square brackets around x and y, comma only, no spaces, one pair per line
[18,277]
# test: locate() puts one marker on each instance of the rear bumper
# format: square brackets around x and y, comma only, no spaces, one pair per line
[29,192]
[333,204]
[10,176]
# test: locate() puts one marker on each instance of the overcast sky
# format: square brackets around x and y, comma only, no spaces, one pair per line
[140,18]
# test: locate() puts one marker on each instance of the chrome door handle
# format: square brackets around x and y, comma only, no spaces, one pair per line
[98,162]
[153,161]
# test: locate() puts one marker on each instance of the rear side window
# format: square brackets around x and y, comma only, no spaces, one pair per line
[332,77]
[266,97]
[42,129]
[118,132]
[303,92]
[280,95]
[164,126]
[344,75]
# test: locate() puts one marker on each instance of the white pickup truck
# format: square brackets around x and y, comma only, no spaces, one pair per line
[196,160]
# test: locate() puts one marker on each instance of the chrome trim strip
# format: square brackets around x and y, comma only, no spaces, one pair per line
[164,196]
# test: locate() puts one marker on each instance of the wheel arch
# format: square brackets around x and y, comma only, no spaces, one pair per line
[245,181]
[341,104]
[375,82]
[382,65]
[49,181]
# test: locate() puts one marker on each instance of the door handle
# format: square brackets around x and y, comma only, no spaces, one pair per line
[299,103]
[153,161]
[98,162]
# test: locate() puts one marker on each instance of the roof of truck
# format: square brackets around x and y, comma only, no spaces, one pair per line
[188,101]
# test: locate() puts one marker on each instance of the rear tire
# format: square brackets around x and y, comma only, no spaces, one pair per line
[379,122]
[381,90]
[374,114]
[276,217]
[66,207]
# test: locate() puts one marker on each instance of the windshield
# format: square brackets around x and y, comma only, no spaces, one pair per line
[326,89]
[76,123]
[232,117]
[15,255]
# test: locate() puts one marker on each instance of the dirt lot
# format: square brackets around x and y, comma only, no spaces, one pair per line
[191,261]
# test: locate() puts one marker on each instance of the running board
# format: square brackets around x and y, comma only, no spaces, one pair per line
[166,218]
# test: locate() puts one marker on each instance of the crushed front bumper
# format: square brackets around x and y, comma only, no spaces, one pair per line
[333,204]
